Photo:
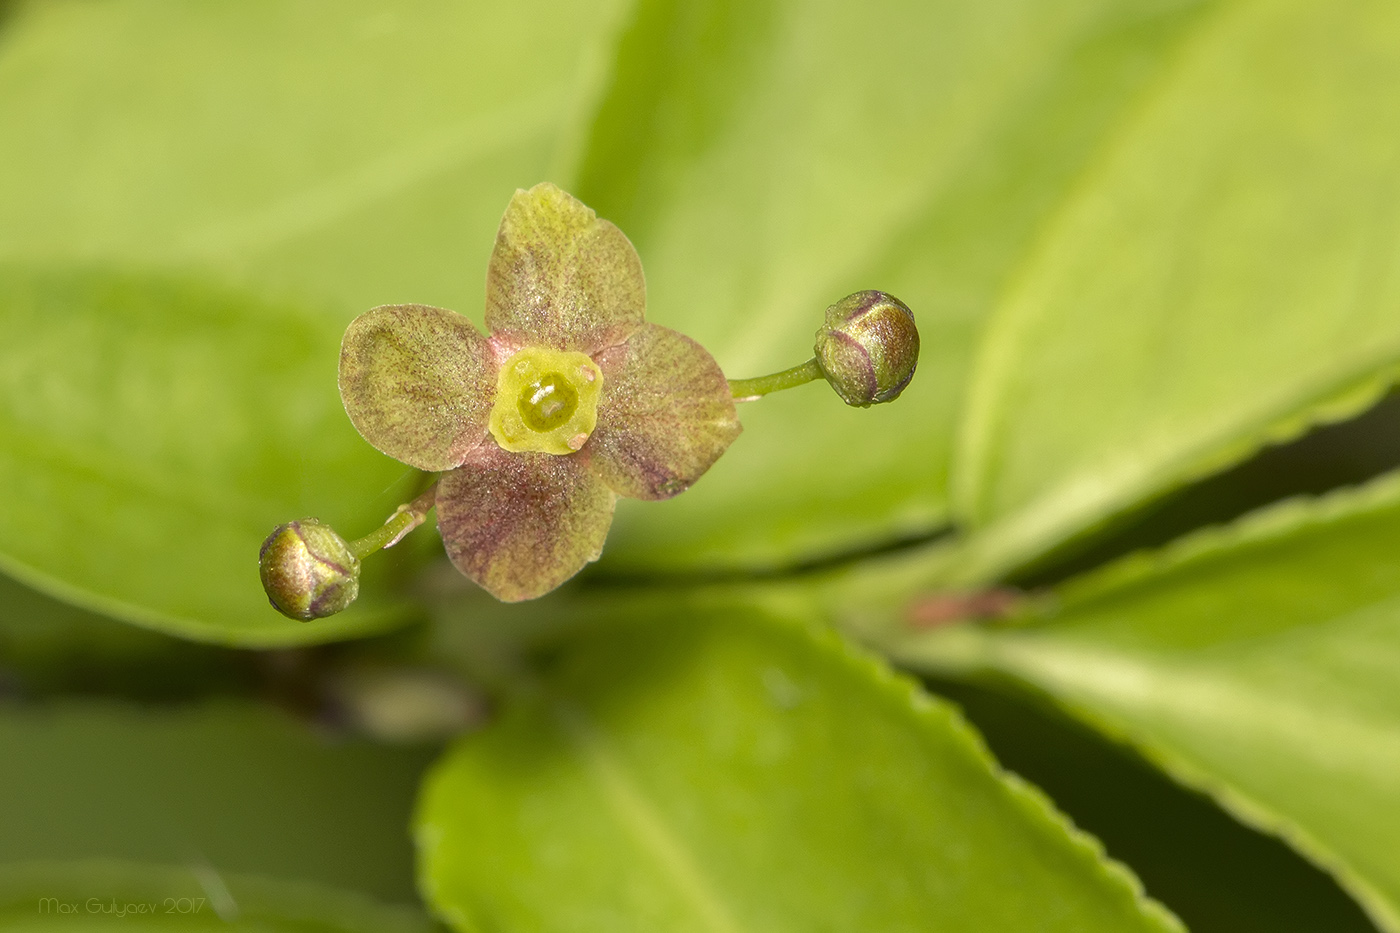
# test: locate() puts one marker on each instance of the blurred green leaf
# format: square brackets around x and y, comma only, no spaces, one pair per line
[48,646]
[236,786]
[768,158]
[729,770]
[327,156]
[1222,276]
[153,431]
[92,896]
[1257,663]
[345,152]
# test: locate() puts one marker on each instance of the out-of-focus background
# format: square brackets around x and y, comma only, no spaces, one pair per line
[1151,246]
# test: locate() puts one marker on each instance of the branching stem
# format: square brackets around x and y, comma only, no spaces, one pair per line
[408,517]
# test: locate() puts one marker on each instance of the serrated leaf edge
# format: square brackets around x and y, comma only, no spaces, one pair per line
[1382,911]
[906,693]
[1285,518]
[1032,801]
[971,649]
[1025,535]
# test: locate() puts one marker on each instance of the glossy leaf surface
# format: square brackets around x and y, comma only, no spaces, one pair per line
[153,431]
[329,157]
[769,158]
[1222,274]
[729,771]
[342,152]
[1256,663]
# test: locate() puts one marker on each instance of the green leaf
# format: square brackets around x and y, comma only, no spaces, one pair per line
[345,152]
[729,770]
[93,896]
[1218,875]
[235,786]
[153,431]
[47,647]
[332,156]
[1256,663]
[1222,276]
[769,158]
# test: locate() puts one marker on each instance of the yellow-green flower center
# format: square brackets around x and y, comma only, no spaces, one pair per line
[546,401]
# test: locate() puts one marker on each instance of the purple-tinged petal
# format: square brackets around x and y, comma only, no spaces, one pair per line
[560,277]
[520,524]
[664,417]
[418,383]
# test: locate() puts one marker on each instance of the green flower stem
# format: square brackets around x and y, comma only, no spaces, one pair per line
[745,390]
[407,518]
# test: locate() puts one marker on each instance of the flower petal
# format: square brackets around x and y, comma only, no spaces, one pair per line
[560,277]
[520,524]
[418,383]
[664,417]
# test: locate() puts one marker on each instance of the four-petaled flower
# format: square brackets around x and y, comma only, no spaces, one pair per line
[572,401]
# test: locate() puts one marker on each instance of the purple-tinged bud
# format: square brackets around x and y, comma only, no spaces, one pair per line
[868,348]
[308,570]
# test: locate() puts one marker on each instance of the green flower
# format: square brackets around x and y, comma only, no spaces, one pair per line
[572,401]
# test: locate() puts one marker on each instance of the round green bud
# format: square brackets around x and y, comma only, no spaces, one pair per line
[868,348]
[308,570]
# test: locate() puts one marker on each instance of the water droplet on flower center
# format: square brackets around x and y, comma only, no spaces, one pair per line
[548,402]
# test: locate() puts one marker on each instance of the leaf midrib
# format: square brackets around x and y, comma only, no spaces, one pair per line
[643,821]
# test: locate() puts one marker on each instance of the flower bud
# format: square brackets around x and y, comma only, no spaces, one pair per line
[868,348]
[308,570]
